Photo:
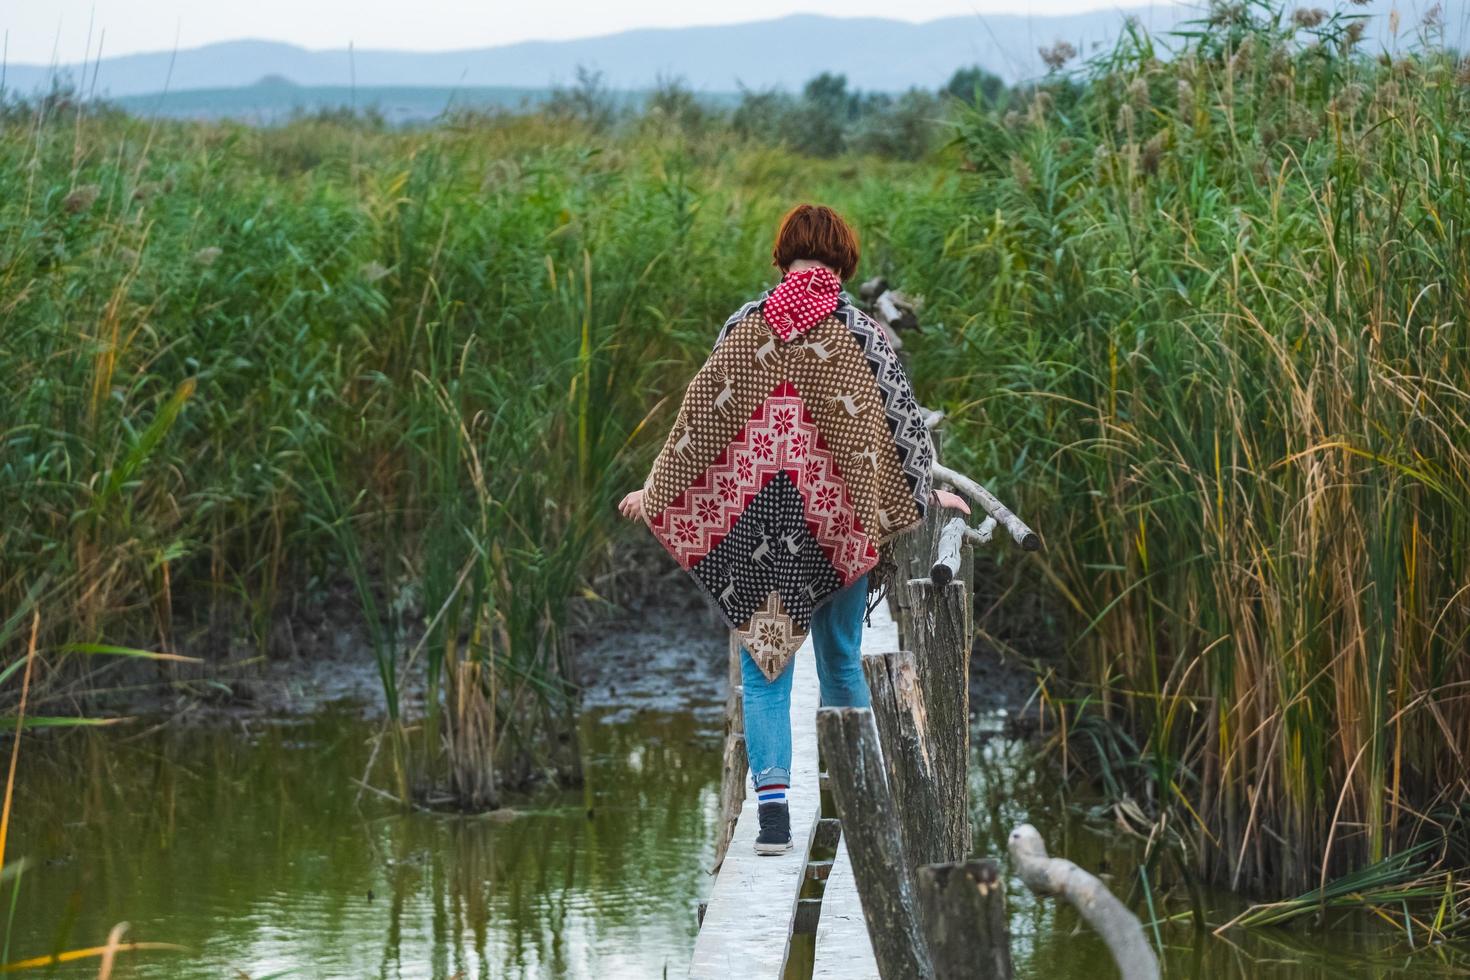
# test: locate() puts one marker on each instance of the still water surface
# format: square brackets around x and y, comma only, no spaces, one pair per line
[255,851]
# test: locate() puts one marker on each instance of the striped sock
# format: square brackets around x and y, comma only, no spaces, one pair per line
[773,793]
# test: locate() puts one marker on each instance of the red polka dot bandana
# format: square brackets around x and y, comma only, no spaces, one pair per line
[803,300]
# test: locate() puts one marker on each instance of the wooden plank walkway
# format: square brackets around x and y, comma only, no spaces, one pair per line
[844,951]
[748,921]
[747,925]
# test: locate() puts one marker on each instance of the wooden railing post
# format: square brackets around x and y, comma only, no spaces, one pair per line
[941,650]
[849,742]
[903,729]
[963,909]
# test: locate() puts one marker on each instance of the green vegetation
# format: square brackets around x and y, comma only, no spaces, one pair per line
[244,363]
[1201,318]
[826,119]
[1204,318]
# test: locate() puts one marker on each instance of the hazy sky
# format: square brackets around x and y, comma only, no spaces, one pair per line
[37,30]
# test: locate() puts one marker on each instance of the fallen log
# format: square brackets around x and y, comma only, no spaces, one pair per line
[1110,918]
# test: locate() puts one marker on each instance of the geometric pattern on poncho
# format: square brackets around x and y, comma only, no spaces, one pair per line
[788,467]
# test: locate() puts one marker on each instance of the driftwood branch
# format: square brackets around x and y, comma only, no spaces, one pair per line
[1023,535]
[873,288]
[888,309]
[1111,919]
[983,533]
[892,309]
[947,555]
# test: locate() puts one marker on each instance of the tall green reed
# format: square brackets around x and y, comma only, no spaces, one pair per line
[249,364]
[1204,318]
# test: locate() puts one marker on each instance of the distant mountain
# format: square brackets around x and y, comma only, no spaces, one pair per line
[274,99]
[874,54]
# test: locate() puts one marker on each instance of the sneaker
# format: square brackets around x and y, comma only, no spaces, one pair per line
[775,835]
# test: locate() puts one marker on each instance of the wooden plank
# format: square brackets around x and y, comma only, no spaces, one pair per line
[844,951]
[828,831]
[747,926]
[750,913]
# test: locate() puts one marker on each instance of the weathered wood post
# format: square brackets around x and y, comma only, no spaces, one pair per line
[898,772]
[732,773]
[912,555]
[963,908]
[939,635]
[849,741]
[903,730]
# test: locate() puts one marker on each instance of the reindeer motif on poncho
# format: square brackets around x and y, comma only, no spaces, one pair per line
[795,460]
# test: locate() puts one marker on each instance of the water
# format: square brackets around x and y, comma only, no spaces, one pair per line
[1010,786]
[252,849]
[254,853]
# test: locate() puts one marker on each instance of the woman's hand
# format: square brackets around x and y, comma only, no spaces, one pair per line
[631,506]
[951,500]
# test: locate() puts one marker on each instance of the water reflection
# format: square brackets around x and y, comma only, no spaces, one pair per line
[255,854]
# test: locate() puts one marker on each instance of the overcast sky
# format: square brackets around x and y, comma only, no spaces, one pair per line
[35,31]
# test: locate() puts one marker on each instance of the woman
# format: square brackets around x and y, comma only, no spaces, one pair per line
[797,454]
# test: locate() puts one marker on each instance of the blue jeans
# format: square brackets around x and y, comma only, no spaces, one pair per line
[837,640]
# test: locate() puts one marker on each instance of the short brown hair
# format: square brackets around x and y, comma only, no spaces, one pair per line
[815,231]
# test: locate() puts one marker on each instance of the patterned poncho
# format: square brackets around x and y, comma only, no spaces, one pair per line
[791,462]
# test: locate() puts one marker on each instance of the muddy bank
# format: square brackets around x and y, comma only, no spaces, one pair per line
[662,649]
[649,642]
[665,647]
